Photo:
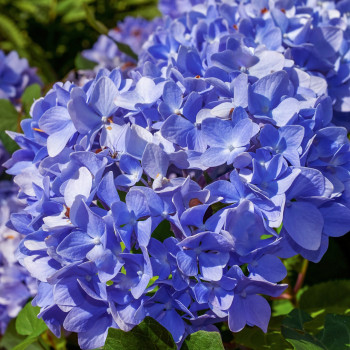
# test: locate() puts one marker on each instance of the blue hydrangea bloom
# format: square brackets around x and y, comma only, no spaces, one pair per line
[16,285]
[149,193]
[15,76]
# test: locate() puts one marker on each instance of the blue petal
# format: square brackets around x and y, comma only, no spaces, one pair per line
[102,97]
[270,267]
[215,156]
[155,161]
[304,224]
[237,314]
[187,262]
[172,96]
[336,219]
[258,311]
[75,246]
[107,191]
[83,117]
[175,129]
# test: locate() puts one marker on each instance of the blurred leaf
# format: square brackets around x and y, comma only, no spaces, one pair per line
[147,335]
[330,296]
[102,29]
[74,16]
[324,298]
[281,307]
[11,339]
[125,49]
[203,340]
[83,63]
[26,342]
[294,263]
[8,121]
[9,115]
[9,30]
[97,25]
[30,94]
[28,323]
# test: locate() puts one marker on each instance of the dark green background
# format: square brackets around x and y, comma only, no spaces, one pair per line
[51,33]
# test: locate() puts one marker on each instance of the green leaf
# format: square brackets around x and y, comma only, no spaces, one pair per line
[82,63]
[324,298]
[26,342]
[30,94]
[28,323]
[281,307]
[254,338]
[94,23]
[9,30]
[294,332]
[163,231]
[329,295]
[11,339]
[8,121]
[8,116]
[203,340]
[148,335]
[102,29]
[125,48]
[336,333]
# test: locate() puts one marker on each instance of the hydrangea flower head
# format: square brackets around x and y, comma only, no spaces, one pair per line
[162,193]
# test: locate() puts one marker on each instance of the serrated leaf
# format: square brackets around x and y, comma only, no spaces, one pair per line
[148,335]
[294,332]
[28,323]
[30,94]
[336,333]
[203,340]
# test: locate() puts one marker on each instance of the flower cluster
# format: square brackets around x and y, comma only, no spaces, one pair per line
[314,34]
[173,192]
[15,76]
[16,286]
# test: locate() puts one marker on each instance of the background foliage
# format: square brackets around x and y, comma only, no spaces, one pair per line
[51,34]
